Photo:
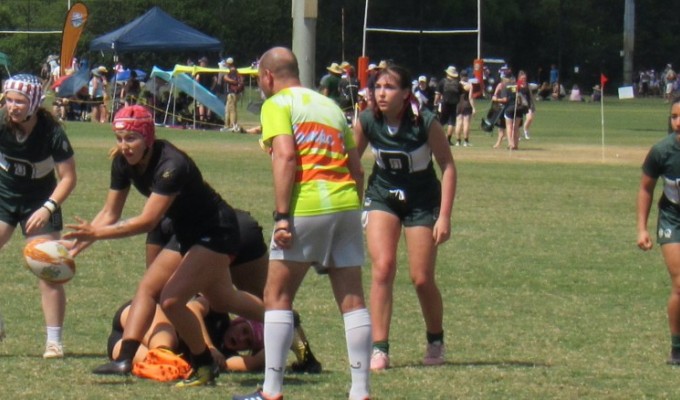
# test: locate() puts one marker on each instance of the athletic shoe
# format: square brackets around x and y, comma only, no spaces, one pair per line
[526,135]
[202,376]
[310,365]
[674,358]
[379,360]
[53,350]
[120,367]
[2,328]
[466,144]
[457,143]
[434,354]
[259,395]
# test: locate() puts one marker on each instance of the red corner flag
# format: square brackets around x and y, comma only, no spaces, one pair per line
[603,80]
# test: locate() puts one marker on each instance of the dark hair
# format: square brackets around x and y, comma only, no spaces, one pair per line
[400,72]
[675,101]
[404,77]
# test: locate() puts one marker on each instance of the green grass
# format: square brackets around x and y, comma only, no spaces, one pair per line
[546,295]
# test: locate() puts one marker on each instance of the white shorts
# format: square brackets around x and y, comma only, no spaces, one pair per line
[325,241]
[669,87]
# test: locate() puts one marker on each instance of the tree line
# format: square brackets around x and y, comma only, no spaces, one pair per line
[582,37]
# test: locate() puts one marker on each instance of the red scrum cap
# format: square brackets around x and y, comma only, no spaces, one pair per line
[138,119]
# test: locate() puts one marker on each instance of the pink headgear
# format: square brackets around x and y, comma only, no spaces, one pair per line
[28,86]
[258,331]
[138,119]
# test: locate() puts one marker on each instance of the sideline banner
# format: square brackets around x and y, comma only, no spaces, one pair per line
[73,27]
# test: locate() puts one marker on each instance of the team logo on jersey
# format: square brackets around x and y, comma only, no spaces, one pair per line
[664,233]
[167,174]
[19,169]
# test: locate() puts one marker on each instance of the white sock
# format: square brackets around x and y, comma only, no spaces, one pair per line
[358,337]
[54,334]
[278,336]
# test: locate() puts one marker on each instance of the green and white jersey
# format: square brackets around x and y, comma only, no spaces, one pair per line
[27,167]
[403,155]
[663,160]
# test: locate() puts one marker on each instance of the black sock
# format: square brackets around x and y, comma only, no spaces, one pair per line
[435,337]
[205,358]
[128,349]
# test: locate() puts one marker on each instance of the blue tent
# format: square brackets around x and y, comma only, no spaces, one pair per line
[155,31]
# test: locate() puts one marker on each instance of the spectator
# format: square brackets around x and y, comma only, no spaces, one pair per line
[308,134]
[130,92]
[447,96]
[234,88]
[207,80]
[597,93]
[404,191]
[349,89]
[96,93]
[425,94]
[575,94]
[670,78]
[554,75]
[330,83]
[518,103]
[464,111]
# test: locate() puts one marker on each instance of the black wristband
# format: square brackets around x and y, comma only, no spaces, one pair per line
[280,216]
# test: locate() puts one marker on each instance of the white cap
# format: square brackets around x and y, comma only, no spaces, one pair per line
[422,78]
[230,60]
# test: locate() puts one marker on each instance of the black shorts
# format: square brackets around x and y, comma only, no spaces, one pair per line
[448,114]
[251,245]
[163,235]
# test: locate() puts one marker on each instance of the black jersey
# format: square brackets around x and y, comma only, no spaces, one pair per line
[172,172]
[27,167]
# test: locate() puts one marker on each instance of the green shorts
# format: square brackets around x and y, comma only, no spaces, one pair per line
[668,224]
[15,212]
[414,207]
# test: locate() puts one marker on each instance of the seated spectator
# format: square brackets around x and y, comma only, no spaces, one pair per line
[597,93]
[575,94]
[558,91]
[544,91]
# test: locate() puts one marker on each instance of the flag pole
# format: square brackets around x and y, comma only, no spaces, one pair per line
[602,118]
[603,81]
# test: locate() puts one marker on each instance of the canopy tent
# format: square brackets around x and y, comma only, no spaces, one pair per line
[124,75]
[155,31]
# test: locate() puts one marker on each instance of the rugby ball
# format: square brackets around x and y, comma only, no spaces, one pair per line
[49,260]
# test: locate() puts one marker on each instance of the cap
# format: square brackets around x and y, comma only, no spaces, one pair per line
[29,86]
[229,61]
[451,71]
[203,59]
[137,119]
[372,67]
[422,78]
